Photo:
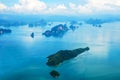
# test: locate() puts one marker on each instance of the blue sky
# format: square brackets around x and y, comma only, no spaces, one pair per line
[9,2]
[61,7]
[49,2]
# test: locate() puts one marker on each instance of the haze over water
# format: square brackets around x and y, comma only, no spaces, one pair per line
[31,30]
[24,58]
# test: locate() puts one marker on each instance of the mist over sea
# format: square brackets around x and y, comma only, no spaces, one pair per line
[24,58]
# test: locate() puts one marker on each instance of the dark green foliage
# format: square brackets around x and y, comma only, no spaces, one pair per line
[62,55]
[54,74]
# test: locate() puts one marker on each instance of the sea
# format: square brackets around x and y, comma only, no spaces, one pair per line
[24,58]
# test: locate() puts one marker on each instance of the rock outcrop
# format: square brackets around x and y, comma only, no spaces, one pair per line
[56,31]
[32,35]
[5,31]
[54,74]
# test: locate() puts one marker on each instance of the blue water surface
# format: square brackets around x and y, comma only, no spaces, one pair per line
[24,58]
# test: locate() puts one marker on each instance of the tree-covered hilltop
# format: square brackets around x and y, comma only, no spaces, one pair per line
[63,55]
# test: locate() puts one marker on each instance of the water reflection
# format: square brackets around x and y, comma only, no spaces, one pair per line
[100,51]
[20,51]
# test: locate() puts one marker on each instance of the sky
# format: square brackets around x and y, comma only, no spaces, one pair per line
[60,7]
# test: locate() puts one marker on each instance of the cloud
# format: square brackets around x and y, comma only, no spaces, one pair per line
[2,7]
[59,9]
[29,6]
[97,6]
[85,9]
[89,8]
[40,7]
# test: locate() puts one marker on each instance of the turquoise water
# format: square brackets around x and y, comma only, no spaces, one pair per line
[24,58]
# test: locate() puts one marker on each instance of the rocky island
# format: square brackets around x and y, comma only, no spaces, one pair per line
[54,74]
[95,22]
[62,55]
[32,35]
[56,31]
[5,31]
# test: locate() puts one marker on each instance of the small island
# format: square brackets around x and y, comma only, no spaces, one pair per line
[54,74]
[5,31]
[32,35]
[63,55]
[56,31]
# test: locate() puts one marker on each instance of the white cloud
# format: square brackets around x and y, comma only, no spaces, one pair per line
[29,6]
[97,6]
[59,9]
[40,7]
[2,7]
[102,5]
[80,8]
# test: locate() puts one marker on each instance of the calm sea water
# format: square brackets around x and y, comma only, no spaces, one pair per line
[24,58]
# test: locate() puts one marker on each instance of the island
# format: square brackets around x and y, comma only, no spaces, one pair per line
[73,27]
[5,31]
[41,23]
[54,74]
[32,35]
[95,22]
[63,55]
[56,31]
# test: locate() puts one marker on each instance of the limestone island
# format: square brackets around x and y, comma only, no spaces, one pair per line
[32,35]
[5,31]
[54,74]
[56,31]
[62,55]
